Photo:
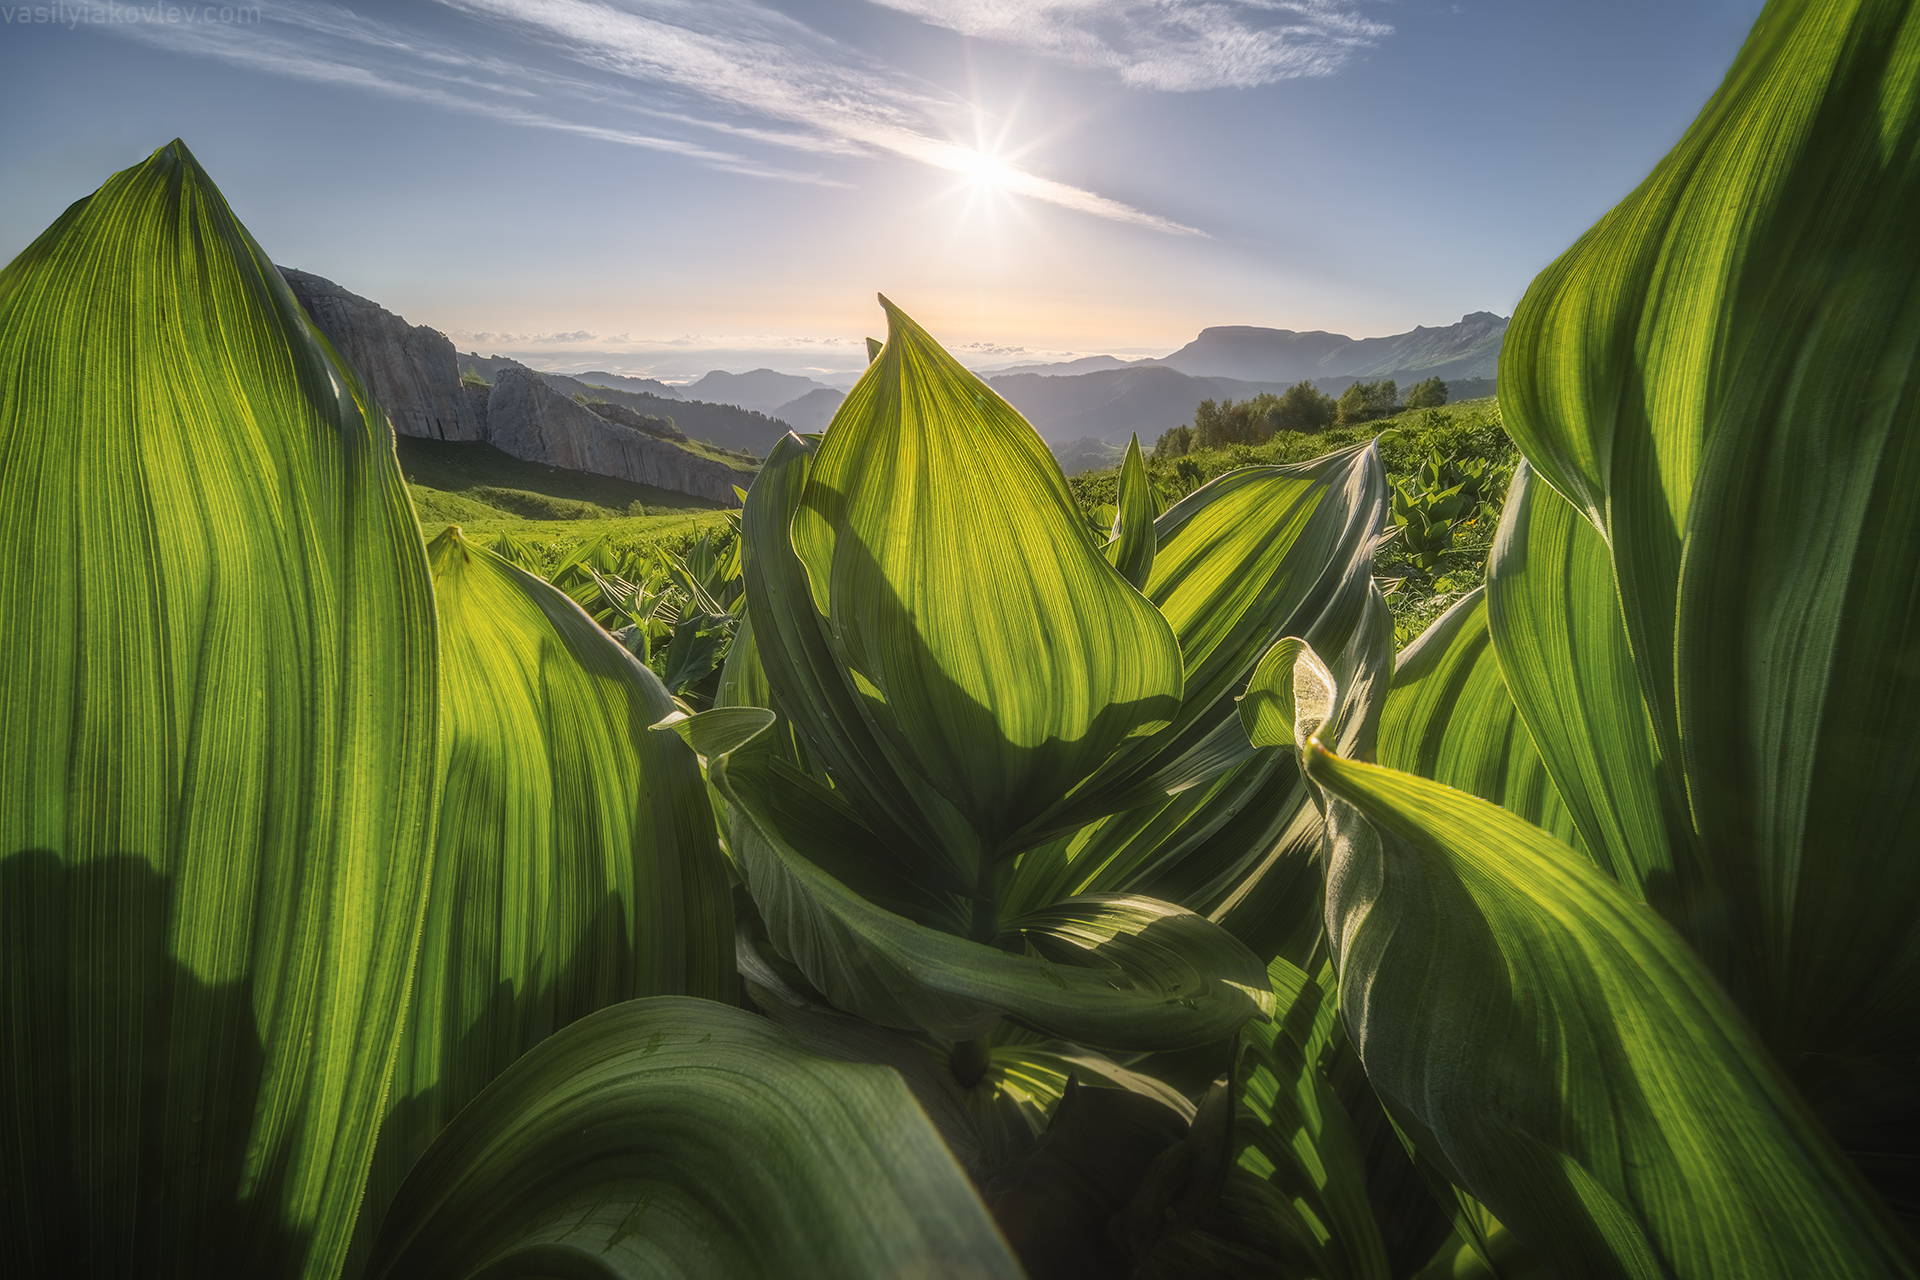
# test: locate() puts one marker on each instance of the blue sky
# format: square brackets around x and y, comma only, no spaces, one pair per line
[668,186]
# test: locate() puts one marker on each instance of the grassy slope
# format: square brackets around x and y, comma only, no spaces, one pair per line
[1468,429]
[549,509]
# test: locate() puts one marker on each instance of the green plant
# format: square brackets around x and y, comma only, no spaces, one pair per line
[304,861]
[363,911]
[1658,1010]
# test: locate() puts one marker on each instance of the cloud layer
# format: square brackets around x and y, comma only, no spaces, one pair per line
[1170,44]
[739,86]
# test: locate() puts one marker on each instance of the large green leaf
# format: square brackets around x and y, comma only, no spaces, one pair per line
[1449,718]
[217,718]
[1555,624]
[676,1137]
[805,682]
[994,650]
[1721,376]
[1109,971]
[1561,1054]
[576,864]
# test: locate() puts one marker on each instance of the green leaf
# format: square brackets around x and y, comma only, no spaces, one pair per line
[1209,822]
[678,1137]
[1289,697]
[1721,376]
[1555,624]
[1259,553]
[1449,718]
[576,864]
[216,747]
[1556,1049]
[1278,1184]
[998,656]
[720,730]
[805,683]
[1126,974]
[1056,1201]
[1131,548]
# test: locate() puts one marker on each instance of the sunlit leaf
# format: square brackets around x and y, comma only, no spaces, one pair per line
[1450,718]
[216,748]
[1112,973]
[576,863]
[1131,548]
[1552,1044]
[996,653]
[1721,376]
[1272,1180]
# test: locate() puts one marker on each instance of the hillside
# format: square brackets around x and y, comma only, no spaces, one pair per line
[1103,398]
[1467,349]
[812,411]
[622,382]
[725,425]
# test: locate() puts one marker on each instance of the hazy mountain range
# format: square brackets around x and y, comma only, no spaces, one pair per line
[1075,404]
[1109,398]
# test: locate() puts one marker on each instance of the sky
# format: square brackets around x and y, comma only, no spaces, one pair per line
[662,187]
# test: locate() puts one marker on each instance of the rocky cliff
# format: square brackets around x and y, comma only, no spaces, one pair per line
[411,368]
[529,419]
[414,373]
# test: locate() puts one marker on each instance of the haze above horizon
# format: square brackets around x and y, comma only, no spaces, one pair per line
[660,188]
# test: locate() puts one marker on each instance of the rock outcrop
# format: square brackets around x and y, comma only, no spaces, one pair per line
[414,373]
[412,369]
[621,416]
[530,420]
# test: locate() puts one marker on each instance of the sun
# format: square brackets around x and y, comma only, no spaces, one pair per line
[984,170]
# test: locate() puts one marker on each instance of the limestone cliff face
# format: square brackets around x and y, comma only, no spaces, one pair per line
[413,369]
[530,420]
[414,373]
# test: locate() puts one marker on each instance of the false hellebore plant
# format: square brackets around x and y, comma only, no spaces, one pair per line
[357,920]
[363,911]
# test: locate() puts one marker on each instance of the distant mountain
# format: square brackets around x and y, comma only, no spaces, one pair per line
[761,390]
[1239,361]
[623,382]
[1253,354]
[726,425]
[1468,349]
[1114,403]
[812,411]
[1067,368]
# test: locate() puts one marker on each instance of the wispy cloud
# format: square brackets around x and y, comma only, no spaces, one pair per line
[318,44]
[634,72]
[1170,44]
[759,61]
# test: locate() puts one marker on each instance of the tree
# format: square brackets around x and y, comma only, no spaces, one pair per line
[1304,407]
[1365,401]
[1429,393]
[1174,442]
[1216,426]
